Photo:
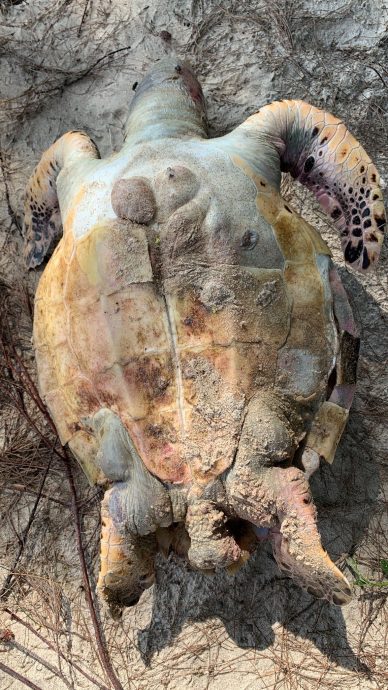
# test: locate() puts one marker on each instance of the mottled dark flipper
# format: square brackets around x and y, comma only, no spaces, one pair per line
[42,218]
[319,151]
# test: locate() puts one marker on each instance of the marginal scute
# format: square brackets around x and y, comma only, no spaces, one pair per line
[320,437]
[84,446]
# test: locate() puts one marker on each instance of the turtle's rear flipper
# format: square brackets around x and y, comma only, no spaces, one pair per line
[265,490]
[296,542]
[127,561]
[42,218]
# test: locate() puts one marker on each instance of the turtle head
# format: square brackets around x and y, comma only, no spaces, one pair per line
[168,102]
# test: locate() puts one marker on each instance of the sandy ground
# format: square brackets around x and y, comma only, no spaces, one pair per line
[72,64]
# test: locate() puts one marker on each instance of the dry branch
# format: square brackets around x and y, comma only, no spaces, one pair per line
[20,391]
[19,677]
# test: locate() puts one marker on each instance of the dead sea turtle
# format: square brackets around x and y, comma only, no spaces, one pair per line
[195,345]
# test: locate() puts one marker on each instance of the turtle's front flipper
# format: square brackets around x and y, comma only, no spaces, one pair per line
[319,151]
[42,218]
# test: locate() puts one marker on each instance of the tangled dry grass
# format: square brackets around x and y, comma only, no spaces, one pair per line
[256,630]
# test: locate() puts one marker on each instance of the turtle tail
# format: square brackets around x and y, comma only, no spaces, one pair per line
[42,218]
[317,150]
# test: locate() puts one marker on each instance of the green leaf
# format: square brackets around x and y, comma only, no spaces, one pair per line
[361,581]
[384,566]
